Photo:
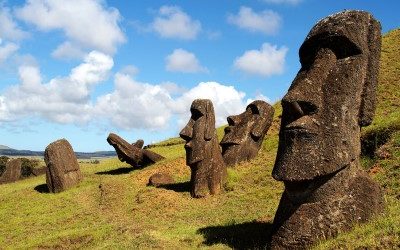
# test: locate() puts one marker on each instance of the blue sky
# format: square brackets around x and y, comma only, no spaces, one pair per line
[80,69]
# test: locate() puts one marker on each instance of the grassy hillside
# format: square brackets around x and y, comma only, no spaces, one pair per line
[113,207]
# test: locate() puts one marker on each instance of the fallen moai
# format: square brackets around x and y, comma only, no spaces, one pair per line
[12,171]
[245,132]
[318,158]
[133,154]
[62,170]
[203,156]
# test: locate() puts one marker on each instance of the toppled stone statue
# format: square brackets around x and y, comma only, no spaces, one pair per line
[62,170]
[133,154]
[12,172]
[318,158]
[203,156]
[245,132]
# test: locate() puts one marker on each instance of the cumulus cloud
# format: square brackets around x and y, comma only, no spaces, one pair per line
[67,50]
[88,24]
[267,21]
[135,104]
[183,61]
[267,61]
[293,2]
[172,22]
[62,99]
[8,27]
[226,101]
[7,50]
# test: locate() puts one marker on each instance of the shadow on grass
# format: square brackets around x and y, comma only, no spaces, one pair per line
[118,171]
[248,235]
[177,187]
[42,188]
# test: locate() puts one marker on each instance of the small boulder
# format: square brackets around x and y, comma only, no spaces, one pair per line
[160,179]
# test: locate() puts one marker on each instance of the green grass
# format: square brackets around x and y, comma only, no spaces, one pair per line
[119,211]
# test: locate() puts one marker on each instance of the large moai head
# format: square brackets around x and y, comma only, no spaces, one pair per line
[203,155]
[245,132]
[332,96]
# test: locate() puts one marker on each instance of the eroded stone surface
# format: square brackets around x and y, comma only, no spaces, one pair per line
[132,154]
[245,132]
[12,172]
[159,179]
[62,170]
[203,156]
[318,158]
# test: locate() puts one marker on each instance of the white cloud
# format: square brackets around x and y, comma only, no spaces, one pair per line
[293,2]
[67,50]
[267,61]
[88,24]
[226,101]
[7,50]
[8,27]
[172,22]
[135,104]
[62,99]
[267,21]
[183,61]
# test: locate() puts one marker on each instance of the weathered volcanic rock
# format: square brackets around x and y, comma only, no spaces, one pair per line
[133,154]
[318,158]
[159,179]
[245,132]
[208,170]
[139,143]
[12,172]
[62,170]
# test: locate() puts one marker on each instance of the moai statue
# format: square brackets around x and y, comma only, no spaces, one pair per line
[62,170]
[203,156]
[133,154]
[318,158]
[245,132]
[12,172]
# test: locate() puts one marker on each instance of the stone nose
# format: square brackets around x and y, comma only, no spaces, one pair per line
[187,132]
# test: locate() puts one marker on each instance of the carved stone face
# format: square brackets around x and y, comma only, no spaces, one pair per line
[328,100]
[245,132]
[198,131]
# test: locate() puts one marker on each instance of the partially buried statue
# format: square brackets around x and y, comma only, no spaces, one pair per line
[245,132]
[133,154]
[62,170]
[318,159]
[203,156]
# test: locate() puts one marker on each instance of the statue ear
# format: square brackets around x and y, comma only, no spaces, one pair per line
[210,121]
[368,96]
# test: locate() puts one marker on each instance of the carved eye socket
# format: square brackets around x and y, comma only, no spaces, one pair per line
[254,109]
[196,114]
[342,47]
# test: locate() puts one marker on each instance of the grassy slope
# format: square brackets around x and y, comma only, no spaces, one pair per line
[116,209]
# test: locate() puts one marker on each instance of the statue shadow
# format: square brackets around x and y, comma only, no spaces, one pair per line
[42,188]
[177,187]
[248,235]
[118,171]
